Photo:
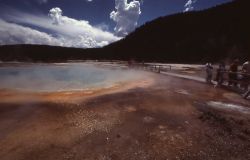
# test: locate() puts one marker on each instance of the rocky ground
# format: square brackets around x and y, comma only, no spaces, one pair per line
[171,119]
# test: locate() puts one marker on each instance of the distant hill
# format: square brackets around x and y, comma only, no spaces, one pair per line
[217,33]
[221,32]
[43,53]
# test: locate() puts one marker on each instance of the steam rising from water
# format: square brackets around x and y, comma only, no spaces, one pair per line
[64,77]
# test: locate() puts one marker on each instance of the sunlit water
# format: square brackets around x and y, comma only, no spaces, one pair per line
[62,77]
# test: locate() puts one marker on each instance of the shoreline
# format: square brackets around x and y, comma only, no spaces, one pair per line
[70,96]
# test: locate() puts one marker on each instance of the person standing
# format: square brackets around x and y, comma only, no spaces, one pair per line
[246,78]
[220,73]
[209,71]
[233,73]
[246,66]
[246,71]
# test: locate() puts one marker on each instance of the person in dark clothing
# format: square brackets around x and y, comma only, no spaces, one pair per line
[233,73]
[246,71]
[209,71]
[220,73]
[246,75]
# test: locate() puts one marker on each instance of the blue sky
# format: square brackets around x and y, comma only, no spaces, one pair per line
[83,23]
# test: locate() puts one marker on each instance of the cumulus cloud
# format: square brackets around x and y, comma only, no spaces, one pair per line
[126,16]
[64,31]
[189,6]
[56,14]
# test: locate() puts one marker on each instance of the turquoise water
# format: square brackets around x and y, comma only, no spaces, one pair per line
[63,77]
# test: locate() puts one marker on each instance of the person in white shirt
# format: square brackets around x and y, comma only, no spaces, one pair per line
[246,67]
[246,79]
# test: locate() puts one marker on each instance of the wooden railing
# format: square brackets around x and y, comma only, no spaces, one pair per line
[166,68]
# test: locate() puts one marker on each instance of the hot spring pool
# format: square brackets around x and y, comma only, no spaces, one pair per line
[63,77]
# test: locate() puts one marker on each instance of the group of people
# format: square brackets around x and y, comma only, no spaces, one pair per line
[235,76]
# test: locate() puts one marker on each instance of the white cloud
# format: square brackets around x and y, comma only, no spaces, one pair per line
[67,31]
[102,26]
[56,14]
[11,33]
[189,6]
[125,16]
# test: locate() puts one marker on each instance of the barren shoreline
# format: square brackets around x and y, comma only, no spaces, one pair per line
[168,119]
[70,96]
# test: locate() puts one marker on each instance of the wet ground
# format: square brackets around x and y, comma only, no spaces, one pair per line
[171,119]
